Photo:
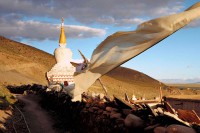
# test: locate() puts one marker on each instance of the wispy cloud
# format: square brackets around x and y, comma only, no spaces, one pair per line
[15,13]
[91,11]
[134,21]
[34,30]
[84,32]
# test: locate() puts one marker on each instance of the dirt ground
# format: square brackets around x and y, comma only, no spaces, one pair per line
[37,118]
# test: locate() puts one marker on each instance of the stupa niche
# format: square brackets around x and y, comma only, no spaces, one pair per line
[62,72]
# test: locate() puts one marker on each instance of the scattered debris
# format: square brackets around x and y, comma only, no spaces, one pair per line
[99,113]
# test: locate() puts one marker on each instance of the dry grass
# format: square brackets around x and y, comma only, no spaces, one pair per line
[123,80]
[6,98]
[23,64]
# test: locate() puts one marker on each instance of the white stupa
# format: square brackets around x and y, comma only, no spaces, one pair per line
[62,71]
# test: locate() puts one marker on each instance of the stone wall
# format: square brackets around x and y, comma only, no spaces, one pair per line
[93,115]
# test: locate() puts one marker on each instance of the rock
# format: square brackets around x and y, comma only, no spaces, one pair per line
[109,109]
[113,112]
[102,105]
[100,111]
[93,95]
[95,108]
[126,111]
[115,109]
[133,121]
[48,89]
[179,129]
[91,110]
[150,128]
[101,96]
[120,120]
[25,93]
[120,123]
[84,110]
[115,116]
[160,130]
[105,113]
[87,105]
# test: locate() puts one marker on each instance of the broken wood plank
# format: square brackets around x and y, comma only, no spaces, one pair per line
[176,118]
[144,101]
[122,103]
[127,98]
[189,116]
[169,108]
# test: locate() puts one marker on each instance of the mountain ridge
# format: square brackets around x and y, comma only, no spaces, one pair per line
[23,64]
[181,81]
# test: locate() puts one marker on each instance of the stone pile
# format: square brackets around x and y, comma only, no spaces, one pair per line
[23,88]
[100,115]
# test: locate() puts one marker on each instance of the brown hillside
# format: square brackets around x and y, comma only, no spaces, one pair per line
[123,80]
[23,64]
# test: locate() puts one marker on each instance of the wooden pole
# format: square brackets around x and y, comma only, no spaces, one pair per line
[104,88]
[127,98]
[161,95]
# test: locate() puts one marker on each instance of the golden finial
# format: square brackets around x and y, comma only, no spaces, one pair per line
[62,40]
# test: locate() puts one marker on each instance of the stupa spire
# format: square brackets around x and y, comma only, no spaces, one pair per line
[62,40]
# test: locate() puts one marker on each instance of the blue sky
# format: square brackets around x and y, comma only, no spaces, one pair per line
[89,22]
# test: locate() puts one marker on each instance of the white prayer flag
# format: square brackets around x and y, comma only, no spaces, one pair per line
[123,46]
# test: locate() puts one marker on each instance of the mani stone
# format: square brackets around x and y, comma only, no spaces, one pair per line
[179,129]
[160,130]
[133,121]
[115,116]
[126,111]
[109,109]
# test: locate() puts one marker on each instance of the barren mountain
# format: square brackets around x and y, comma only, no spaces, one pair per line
[23,64]
[124,80]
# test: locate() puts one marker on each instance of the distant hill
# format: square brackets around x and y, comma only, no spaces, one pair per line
[181,81]
[23,64]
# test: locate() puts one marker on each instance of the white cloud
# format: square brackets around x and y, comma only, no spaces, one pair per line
[166,10]
[134,21]
[91,11]
[106,20]
[108,12]
[34,30]
[84,32]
